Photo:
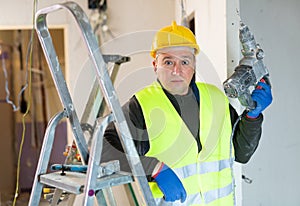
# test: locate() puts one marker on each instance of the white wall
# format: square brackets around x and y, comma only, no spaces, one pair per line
[210,30]
[274,168]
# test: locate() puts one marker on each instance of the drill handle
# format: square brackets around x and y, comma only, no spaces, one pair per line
[247,101]
[266,79]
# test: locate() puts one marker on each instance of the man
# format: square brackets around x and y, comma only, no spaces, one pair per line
[183,130]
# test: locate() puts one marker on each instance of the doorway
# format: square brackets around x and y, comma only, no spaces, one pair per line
[23,67]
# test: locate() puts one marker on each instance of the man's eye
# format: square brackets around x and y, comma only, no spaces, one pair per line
[185,62]
[168,63]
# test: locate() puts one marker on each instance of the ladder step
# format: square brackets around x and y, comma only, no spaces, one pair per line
[73,182]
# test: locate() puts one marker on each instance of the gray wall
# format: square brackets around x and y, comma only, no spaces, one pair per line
[275,166]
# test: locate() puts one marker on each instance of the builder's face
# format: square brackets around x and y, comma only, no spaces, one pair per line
[175,69]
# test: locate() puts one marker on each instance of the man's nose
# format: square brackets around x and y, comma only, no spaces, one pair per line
[177,69]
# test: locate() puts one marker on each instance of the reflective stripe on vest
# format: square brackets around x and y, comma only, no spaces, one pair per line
[197,199]
[206,176]
[204,167]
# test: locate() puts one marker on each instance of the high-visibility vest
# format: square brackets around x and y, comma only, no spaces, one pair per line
[206,176]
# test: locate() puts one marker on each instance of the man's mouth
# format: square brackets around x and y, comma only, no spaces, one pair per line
[177,80]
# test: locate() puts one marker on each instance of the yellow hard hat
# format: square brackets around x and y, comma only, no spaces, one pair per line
[172,36]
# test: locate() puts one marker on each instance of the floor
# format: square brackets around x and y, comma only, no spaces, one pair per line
[22,200]
[7,199]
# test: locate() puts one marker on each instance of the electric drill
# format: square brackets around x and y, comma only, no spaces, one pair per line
[249,72]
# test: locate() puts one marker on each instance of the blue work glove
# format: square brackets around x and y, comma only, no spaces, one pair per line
[262,95]
[170,184]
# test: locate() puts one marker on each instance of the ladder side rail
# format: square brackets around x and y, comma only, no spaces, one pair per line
[44,158]
[95,91]
[110,196]
[111,98]
[96,106]
[58,77]
[94,160]
[56,197]
[71,199]
[100,198]
[91,103]
[103,107]
[118,60]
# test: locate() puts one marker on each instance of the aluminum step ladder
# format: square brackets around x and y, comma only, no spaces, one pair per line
[98,176]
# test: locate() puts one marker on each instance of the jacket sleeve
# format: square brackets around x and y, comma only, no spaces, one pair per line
[246,135]
[113,149]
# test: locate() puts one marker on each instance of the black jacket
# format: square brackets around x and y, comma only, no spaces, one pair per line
[245,138]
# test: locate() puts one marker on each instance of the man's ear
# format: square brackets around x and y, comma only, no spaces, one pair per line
[154,65]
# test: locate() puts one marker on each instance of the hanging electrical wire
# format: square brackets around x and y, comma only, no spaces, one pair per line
[17,106]
[28,65]
[3,57]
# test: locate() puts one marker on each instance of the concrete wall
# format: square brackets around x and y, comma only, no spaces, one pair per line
[275,167]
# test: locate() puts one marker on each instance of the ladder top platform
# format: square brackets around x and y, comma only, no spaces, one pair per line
[73,182]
